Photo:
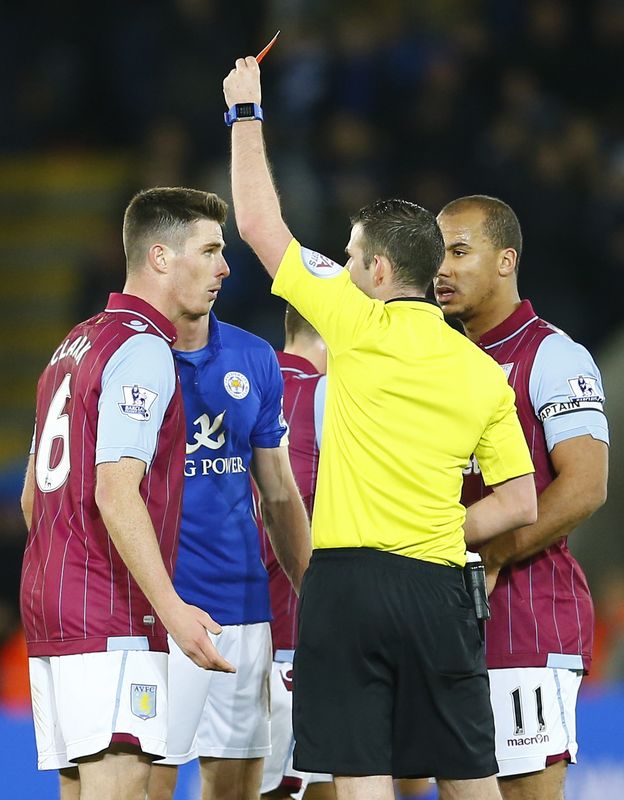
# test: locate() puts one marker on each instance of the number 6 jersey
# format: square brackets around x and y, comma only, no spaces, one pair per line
[109,391]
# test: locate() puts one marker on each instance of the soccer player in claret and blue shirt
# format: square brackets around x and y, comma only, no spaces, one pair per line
[102,500]
[235,428]
[538,641]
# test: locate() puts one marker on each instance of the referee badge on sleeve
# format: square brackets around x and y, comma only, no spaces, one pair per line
[319,265]
[143,700]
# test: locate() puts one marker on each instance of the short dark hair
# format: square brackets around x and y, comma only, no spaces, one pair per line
[296,325]
[166,212]
[500,223]
[407,234]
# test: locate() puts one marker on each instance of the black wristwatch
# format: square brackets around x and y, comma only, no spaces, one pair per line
[243,111]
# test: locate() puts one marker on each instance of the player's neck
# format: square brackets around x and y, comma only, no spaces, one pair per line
[193,333]
[490,317]
[313,351]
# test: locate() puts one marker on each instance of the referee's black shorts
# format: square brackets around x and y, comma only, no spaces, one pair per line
[389,671]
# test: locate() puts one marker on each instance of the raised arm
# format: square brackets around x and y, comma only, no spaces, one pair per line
[256,203]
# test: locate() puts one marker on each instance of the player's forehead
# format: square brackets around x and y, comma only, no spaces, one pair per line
[465,225]
[205,232]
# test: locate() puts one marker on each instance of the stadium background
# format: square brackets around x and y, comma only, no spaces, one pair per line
[426,100]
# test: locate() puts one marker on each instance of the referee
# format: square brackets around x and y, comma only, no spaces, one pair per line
[390,678]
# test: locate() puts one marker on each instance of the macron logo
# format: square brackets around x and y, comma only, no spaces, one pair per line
[526,740]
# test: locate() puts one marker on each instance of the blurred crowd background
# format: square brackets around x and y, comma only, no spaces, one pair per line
[426,100]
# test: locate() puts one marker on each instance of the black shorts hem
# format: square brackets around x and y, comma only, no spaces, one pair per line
[445,775]
[357,771]
[342,770]
[389,672]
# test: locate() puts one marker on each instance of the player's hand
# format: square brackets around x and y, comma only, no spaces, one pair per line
[189,626]
[492,564]
[242,85]
[491,576]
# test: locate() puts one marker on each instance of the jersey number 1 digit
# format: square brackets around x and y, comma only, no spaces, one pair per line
[517,711]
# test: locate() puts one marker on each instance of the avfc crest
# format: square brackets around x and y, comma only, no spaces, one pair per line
[138,402]
[143,700]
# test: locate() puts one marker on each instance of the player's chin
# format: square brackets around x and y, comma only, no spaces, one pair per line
[202,306]
[445,305]
[450,307]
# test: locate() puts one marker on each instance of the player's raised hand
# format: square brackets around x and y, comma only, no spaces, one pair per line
[242,85]
[189,626]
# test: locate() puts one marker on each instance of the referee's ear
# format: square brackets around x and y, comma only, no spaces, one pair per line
[382,271]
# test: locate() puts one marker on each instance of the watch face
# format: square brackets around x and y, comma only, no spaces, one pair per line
[244,110]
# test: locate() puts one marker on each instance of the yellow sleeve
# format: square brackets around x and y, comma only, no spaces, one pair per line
[324,294]
[502,452]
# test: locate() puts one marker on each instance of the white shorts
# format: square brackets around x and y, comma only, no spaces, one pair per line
[80,701]
[278,768]
[534,715]
[218,714]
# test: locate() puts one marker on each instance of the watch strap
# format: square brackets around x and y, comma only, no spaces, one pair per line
[243,111]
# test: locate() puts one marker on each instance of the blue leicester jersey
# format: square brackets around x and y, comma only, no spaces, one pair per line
[232,391]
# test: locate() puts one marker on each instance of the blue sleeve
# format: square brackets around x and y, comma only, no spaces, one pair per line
[319,408]
[566,391]
[138,383]
[271,429]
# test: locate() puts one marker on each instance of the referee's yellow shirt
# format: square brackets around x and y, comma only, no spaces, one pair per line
[409,400]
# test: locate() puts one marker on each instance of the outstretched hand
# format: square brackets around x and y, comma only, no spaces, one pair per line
[242,85]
